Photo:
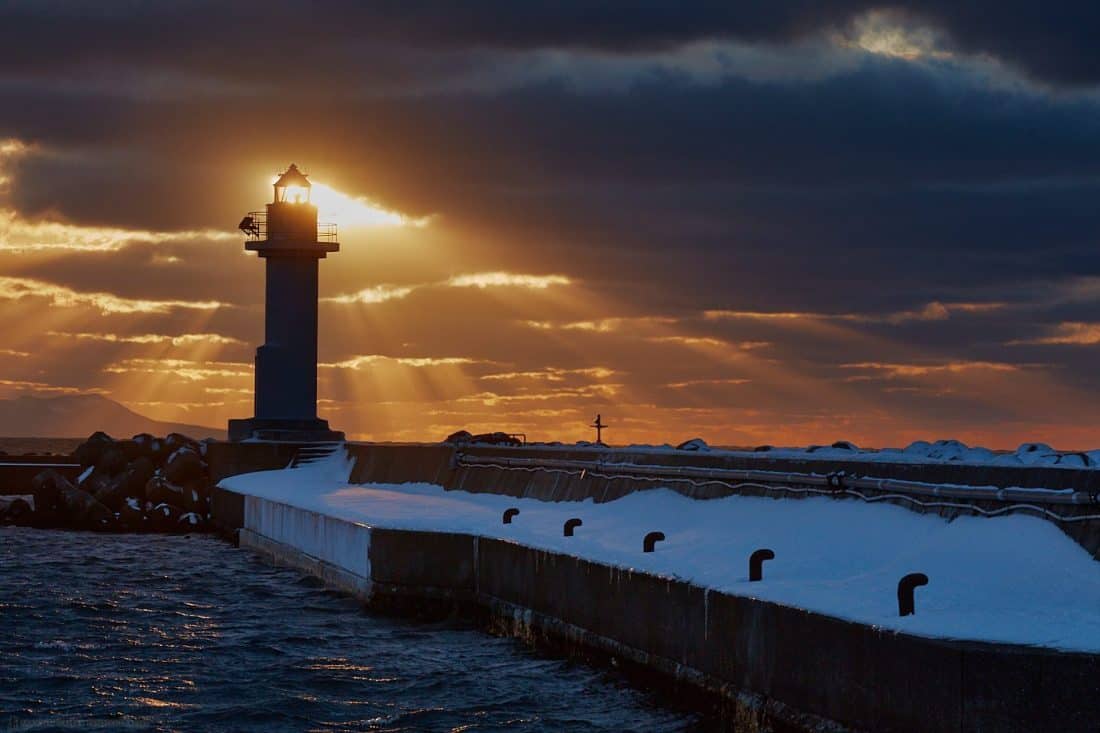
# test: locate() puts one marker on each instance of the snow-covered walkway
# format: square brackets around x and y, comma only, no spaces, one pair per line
[1009,579]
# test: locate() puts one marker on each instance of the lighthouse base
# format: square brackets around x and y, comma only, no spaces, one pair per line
[283,430]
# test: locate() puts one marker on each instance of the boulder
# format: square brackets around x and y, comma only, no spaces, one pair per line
[190,522]
[130,483]
[165,517]
[161,491]
[175,441]
[89,452]
[460,437]
[130,515]
[196,495]
[695,444]
[18,512]
[95,481]
[79,510]
[112,461]
[184,465]
[47,487]
[159,451]
[497,438]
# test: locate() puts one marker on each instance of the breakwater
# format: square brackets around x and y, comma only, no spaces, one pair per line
[766,666]
[137,485]
[1068,497]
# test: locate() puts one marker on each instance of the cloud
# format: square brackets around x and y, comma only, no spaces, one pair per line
[186,369]
[375,294]
[895,371]
[45,387]
[1074,333]
[17,288]
[367,360]
[20,235]
[185,339]
[934,311]
[507,280]
[706,382]
[603,325]
[553,374]
[196,43]
[480,280]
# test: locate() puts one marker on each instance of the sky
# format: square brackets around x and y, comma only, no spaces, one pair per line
[782,222]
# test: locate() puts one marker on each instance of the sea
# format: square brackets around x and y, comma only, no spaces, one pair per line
[187,633]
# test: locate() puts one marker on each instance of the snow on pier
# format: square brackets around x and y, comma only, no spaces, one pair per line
[1013,579]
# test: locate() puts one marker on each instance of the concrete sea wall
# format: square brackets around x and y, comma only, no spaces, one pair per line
[769,667]
[18,472]
[1068,497]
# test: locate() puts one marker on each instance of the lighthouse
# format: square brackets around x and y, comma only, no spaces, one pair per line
[289,238]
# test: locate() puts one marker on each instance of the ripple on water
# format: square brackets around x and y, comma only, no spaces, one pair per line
[106,632]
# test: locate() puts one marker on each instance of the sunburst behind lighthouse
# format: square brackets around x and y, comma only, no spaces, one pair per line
[288,236]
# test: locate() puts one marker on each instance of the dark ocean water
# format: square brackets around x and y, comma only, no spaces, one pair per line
[128,632]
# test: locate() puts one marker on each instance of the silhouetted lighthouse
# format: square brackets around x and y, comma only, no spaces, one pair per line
[288,237]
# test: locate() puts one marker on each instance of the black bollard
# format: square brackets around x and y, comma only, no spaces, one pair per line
[756,563]
[906,605]
[651,539]
[570,525]
[508,514]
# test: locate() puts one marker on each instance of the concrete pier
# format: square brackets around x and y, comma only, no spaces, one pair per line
[765,665]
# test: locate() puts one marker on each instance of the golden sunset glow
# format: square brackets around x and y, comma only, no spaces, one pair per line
[861,225]
[356,211]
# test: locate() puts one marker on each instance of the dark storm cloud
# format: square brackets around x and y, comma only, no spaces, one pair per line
[1056,44]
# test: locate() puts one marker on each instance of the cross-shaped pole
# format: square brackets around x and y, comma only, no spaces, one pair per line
[598,424]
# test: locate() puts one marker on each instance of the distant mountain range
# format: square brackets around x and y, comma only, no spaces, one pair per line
[76,416]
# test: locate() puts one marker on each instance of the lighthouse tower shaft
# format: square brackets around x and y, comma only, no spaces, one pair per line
[288,237]
[286,364]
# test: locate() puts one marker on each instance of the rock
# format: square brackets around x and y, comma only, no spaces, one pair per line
[159,452]
[1036,454]
[1075,460]
[762,448]
[497,438]
[165,517]
[845,445]
[190,522]
[196,494]
[112,461]
[175,441]
[695,444]
[132,481]
[89,452]
[138,446]
[96,481]
[947,450]
[184,465]
[459,438]
[161,491]
[47,487]
[80,510]
[18,512]
[130,515]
